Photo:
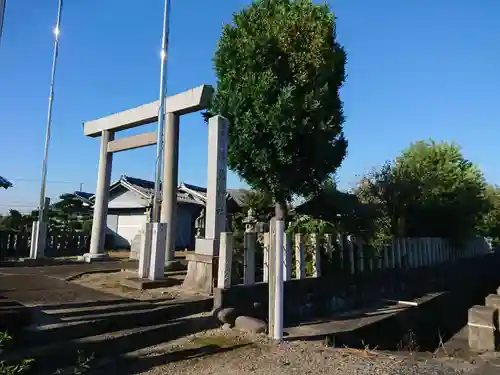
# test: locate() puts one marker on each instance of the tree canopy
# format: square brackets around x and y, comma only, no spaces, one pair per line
[430,190]
[279,70]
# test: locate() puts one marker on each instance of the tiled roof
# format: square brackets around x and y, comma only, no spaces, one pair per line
[5,183]
[147,188]
[185,193]
[83,195]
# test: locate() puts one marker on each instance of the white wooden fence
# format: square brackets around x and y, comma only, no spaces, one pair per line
[349,255]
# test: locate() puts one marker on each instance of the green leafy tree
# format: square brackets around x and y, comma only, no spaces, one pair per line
[489,226]
[279,70]
[14,220]
[431,190]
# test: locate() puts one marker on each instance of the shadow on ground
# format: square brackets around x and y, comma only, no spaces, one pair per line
[56,333]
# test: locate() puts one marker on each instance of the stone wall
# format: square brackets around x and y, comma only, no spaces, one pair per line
[312,298]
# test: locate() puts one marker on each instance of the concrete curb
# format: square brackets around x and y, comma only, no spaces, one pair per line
[89,272]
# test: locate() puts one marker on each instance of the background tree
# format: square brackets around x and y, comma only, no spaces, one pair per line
[279,70]
[431,190]
[489,225]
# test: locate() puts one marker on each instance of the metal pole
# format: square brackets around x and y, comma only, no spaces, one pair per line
[2,16]
[161,113]
[49,115]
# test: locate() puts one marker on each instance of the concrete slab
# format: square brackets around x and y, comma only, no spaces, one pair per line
[144,284]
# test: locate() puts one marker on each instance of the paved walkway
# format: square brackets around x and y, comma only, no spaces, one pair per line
[35,286]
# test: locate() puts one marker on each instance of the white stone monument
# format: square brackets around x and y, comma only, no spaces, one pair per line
[202,266]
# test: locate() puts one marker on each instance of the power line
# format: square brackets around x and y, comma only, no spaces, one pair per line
[51,181]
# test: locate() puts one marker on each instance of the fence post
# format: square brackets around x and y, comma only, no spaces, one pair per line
[385,254]
[340,239]
[316,255]
[409,252]
[265,261]
[225,260]
[390,255]
[249,243]
[300,264]
[396,245]
[361,257]
[328,245]
[350,250]
[271,274]
[287,258]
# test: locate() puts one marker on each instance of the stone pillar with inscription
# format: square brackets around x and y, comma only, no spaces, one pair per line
[202,266]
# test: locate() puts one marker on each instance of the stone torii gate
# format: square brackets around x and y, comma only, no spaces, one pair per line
[106,127]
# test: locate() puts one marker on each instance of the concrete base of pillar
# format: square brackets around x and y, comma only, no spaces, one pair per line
[90,258]
[144,284]
[201,273]
[173,266]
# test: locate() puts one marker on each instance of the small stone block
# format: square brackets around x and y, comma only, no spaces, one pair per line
[498,291]
[250,324]
[483,316]
[493,300]
[143,284]
[227,315]
[481,339]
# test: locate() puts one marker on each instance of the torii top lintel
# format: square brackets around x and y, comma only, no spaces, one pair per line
[189,101]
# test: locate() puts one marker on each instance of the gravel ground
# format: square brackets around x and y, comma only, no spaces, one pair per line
[226,352]
[110,283]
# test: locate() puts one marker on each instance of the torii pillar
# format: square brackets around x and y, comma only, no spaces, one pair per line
[186,102]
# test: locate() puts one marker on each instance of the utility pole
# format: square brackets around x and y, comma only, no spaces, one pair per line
[2,16]
[40,232]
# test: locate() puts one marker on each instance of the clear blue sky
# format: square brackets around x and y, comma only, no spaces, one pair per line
[416,69]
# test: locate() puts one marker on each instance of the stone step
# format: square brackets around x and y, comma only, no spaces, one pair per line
[73,323]
[13,315]
[114,344]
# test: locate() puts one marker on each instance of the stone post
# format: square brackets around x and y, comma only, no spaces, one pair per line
[169,186]
[340,239]
[287,258]
[396,245]
[225,261]
[328,245]
[361,257]
[249,244]
[350,250]
[157,262]
[200,274]
[316,255]
[385,262]
[391,255]
[145,252]
[271,274]
[99,226]
[39,233]
[266,257]
[277,275]
[481,325]
[300,263]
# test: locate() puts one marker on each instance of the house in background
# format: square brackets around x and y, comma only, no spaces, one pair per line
[129,209]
